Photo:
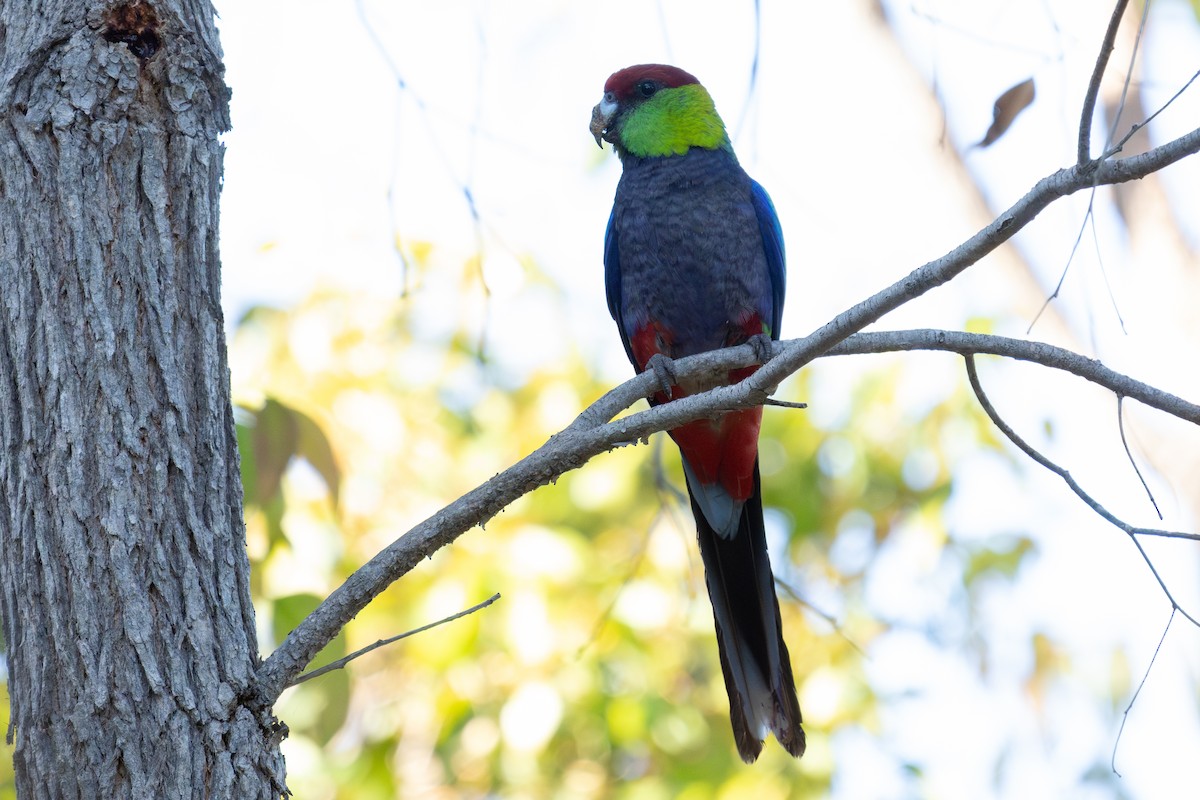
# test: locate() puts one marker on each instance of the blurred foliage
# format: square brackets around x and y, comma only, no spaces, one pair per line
[596,673]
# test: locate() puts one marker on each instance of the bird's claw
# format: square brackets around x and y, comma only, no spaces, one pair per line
[763,349]
[664,372]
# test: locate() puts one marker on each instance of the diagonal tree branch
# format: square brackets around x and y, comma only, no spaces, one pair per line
[592,433]
[596,430]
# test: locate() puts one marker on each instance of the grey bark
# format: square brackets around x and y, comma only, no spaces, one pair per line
[124,582]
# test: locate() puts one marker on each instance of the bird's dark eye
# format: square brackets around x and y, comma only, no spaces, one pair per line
[647,88]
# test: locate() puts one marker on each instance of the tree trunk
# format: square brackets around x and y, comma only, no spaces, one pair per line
[124,582]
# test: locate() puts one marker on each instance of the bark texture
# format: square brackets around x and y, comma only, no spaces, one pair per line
[124,582]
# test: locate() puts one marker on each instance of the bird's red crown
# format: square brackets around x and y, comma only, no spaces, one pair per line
[623,82]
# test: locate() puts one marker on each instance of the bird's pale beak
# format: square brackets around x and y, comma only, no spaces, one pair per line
[602,118]
[599,124]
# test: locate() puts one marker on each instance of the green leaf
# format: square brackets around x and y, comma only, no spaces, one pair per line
[274,442]
[270,438]
[245,443]
[314,447]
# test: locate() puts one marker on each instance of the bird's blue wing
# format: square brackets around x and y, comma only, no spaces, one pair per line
[612,282]
[772,237]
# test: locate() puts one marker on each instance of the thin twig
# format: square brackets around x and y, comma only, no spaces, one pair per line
[1085,140]
[771,401]
[1085,148]
[670,495]
[341,662]
[1112,297]
[1114,149]
[1025,447]
[1093,89]
[1066,267]
[825,615]
[1132,700]
[1137,43]
[1129,454]
[1161,583]
[969,34]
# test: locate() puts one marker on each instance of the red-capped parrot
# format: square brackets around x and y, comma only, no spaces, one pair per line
[693,261]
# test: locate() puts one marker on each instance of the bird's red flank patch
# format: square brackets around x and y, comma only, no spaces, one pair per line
[623,82]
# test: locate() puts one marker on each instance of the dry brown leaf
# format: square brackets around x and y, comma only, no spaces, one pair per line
[1006,109]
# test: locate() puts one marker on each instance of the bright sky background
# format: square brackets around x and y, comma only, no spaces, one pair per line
[352,128]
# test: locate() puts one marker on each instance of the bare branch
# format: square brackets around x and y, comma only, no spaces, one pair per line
[591,433]
[1035,352]
[1029,450]
[1161,583]
[1151,161]
[596,431]
[1131,530]
[342,662]
[1093,89]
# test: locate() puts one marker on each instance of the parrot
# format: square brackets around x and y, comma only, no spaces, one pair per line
[693,262]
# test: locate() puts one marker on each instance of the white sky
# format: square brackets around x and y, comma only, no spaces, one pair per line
[497,99]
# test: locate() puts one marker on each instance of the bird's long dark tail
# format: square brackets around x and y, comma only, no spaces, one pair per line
[754,658]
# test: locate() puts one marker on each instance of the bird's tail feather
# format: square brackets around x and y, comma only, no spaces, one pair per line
[754,658]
